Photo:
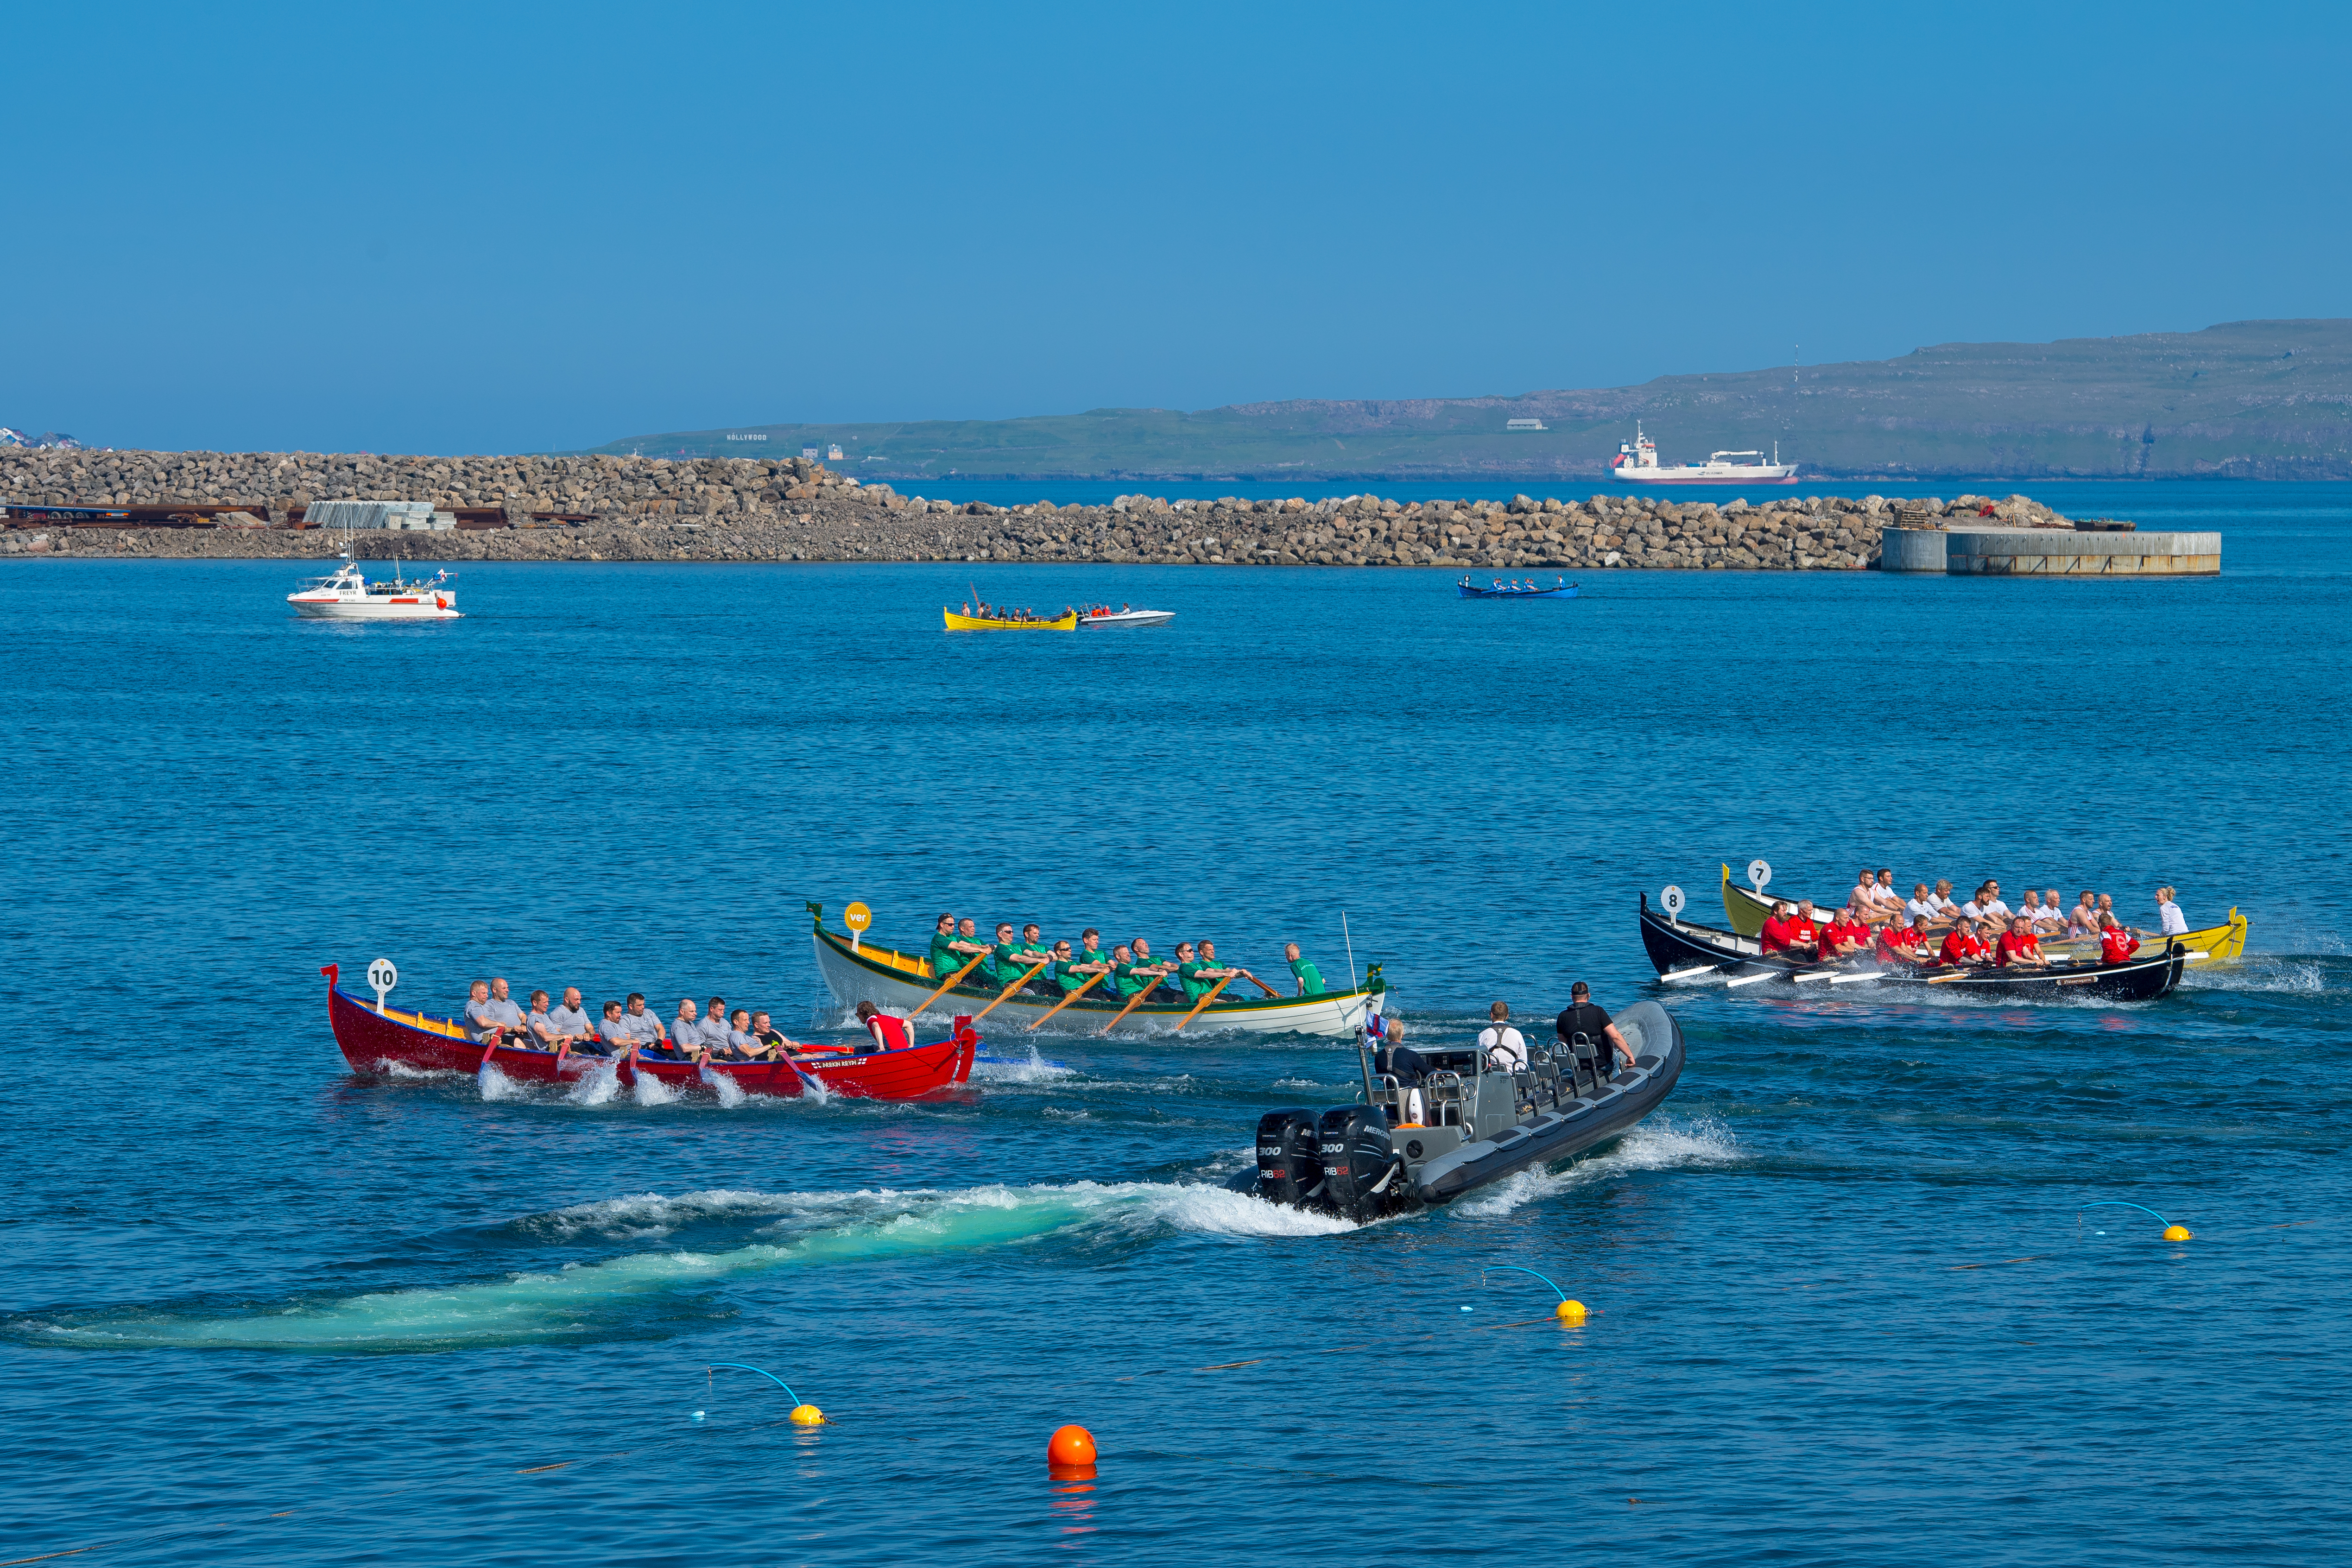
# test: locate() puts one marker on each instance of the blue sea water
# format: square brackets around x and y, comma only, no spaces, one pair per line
[1849,1305]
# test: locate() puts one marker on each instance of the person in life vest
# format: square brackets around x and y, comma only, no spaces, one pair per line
[2018,948]
[891,1032]
[2117,943]
[1909,943]
[1963,948]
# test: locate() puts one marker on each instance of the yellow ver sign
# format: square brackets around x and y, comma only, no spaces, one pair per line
[856,917]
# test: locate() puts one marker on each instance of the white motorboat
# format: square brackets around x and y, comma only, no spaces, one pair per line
[346,594]
[1104,616]
[1636,463]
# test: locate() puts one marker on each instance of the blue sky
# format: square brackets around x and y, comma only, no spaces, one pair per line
[514,227]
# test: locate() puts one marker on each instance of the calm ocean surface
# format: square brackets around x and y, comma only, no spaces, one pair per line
[257,1311]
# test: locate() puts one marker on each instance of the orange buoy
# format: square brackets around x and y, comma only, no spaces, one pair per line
[1071,1445]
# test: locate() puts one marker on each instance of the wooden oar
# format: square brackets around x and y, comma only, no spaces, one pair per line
[1752,979]
[943,990]
[1009,990]
[1203,1002]
[1150,983]
[1098,975]
[1264,986]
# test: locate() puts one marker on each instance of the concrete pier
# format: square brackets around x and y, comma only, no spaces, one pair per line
[1913,550]
[2049,552]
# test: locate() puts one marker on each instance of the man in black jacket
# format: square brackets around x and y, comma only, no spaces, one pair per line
[1581,1017]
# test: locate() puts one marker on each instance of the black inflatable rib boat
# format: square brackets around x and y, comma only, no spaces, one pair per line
[1477,1126]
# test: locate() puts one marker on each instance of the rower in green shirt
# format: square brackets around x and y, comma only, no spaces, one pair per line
[948,953]
[1310,979]
[1188,973]
[1128,976]
[1090,954]
[1003,966]
[1145,964]
[1034,950]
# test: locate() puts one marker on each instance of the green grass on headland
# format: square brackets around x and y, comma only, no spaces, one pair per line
[2245,400]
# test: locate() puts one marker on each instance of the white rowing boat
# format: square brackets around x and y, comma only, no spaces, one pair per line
[857,970]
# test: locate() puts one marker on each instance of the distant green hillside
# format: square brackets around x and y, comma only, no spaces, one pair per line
[2248,399]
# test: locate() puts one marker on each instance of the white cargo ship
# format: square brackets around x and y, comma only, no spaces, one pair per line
[1636,463]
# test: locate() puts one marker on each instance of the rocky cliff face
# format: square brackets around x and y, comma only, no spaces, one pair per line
[624,509]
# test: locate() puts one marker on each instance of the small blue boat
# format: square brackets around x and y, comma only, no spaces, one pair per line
[1468,590]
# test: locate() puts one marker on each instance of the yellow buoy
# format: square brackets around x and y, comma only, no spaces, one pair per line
[806,1415]
[2177,1233]
[1570,1311]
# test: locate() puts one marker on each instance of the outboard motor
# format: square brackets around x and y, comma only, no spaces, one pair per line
[1289,1158]
[1361,1169]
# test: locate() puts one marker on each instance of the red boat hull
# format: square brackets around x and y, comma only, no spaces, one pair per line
[379,1044]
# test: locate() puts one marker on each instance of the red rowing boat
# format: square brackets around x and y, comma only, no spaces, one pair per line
[376,1042]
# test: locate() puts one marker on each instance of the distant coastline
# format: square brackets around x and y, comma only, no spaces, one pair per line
[2257,400]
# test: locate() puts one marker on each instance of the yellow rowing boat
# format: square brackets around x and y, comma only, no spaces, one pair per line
[1067,621]
[1745,909]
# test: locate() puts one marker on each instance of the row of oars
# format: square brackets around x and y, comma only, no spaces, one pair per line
[1031,973]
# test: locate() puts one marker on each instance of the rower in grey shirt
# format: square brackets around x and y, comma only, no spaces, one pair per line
[685,1033]
[616,1028]
[570,1018]
[643,1026]
[487,1012]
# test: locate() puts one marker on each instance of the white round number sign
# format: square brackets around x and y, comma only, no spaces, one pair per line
[383,976]
[1671,900]
[1760,872]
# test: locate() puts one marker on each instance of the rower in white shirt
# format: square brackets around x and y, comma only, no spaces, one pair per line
[2169,919]
[1922,905]
[1866,901]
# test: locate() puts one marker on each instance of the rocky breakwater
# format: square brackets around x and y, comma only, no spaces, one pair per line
[632,509]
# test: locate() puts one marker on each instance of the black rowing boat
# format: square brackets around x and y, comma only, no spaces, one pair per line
[1684,950]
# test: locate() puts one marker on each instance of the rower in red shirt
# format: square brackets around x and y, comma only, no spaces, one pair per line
[1774,937]
[1803,932]
[1844,937]
[1963,948]
[1908,943]
[2019,947]
[2117,943]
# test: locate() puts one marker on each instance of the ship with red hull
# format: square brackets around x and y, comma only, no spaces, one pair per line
[376,1043]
